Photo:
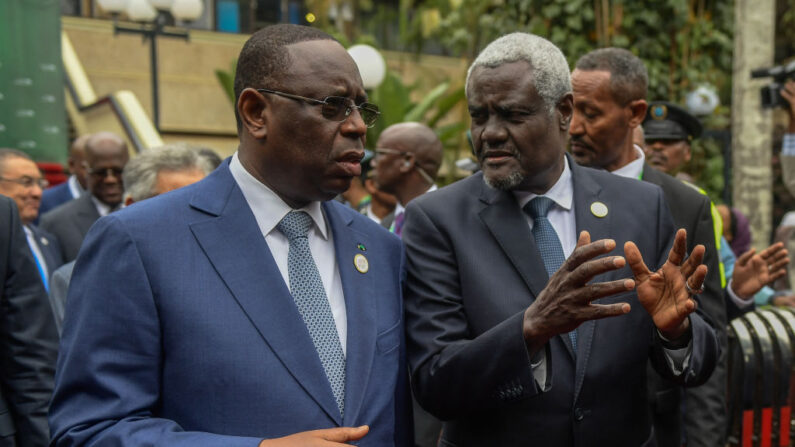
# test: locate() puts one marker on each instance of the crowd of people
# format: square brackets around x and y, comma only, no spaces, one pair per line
[309,292]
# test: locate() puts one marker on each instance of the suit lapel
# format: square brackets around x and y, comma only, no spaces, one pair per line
[508,225]
[87,213]
[586,193]
[360,308]
[231,239]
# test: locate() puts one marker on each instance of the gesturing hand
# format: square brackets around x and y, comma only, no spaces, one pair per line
[566,300]
[754,271]
[663,293]
[328,437]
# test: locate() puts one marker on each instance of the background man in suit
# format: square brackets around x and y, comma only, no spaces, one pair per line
[106,155]
[407,159]
[505,342]
[75,186]
[21,180]
[248,305]
[28,342]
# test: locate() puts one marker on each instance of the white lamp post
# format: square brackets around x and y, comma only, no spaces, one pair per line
[371,65]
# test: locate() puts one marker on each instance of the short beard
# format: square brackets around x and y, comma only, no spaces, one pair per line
[505,183]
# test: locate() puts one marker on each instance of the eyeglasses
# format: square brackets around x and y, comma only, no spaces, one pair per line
[28,182]
[336,108]
[102,173]
[384,151]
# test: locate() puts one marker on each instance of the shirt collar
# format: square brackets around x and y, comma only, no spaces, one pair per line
[399,209]
[102,208]
[633,169]
[562,192]
[74,186]
[268,208]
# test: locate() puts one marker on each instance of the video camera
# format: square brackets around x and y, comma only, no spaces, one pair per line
[771,93]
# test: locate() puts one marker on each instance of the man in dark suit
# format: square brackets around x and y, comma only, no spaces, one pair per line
[28,344]
[75,185]
[506,341]
[248,308]
[106,155]
[21,180]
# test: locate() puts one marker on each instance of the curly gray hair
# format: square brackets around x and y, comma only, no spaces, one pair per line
[551,75]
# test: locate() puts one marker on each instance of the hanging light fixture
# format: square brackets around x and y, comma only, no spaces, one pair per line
[161,5]
[187,10]
[140,11]
[113,6]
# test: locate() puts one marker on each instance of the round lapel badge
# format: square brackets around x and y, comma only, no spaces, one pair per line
[361,263]
[599,209]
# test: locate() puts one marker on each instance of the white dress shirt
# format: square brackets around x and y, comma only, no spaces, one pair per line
[102,208]
[269,209]
[561,216]
[74,187]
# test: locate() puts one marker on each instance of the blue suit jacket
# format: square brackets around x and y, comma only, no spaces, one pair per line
[54,197]
[180,330]
[49,247]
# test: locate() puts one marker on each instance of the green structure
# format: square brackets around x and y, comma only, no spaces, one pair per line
[32,111]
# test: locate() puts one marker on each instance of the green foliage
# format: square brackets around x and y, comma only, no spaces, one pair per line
[684,43]
[227,80]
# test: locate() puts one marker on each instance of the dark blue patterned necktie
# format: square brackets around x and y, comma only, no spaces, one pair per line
[310,298]
[547,241]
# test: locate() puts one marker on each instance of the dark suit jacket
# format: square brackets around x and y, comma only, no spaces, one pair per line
[705,418]
[49,247]
[70,223]
[474,268]
[180,330]
[28,342]
[54,197]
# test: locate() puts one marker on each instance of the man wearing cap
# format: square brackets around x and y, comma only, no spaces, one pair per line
[669,130]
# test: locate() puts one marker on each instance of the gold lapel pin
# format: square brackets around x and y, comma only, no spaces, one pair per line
[361,263]
[599,209]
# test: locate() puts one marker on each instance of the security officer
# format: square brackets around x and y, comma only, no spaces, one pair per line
[669,131]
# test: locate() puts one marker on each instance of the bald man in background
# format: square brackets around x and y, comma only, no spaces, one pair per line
[106,156]
[407,160]
[75,186]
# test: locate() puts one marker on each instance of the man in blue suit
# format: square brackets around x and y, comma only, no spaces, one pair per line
[75,185]
[204,317]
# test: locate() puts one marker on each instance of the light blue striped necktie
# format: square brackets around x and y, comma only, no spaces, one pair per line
[310,298]
[547,241]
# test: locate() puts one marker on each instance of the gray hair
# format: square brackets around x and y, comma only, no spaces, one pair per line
[140,174]
[8,153]
[551,76]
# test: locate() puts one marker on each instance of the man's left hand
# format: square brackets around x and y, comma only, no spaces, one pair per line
[663,293]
